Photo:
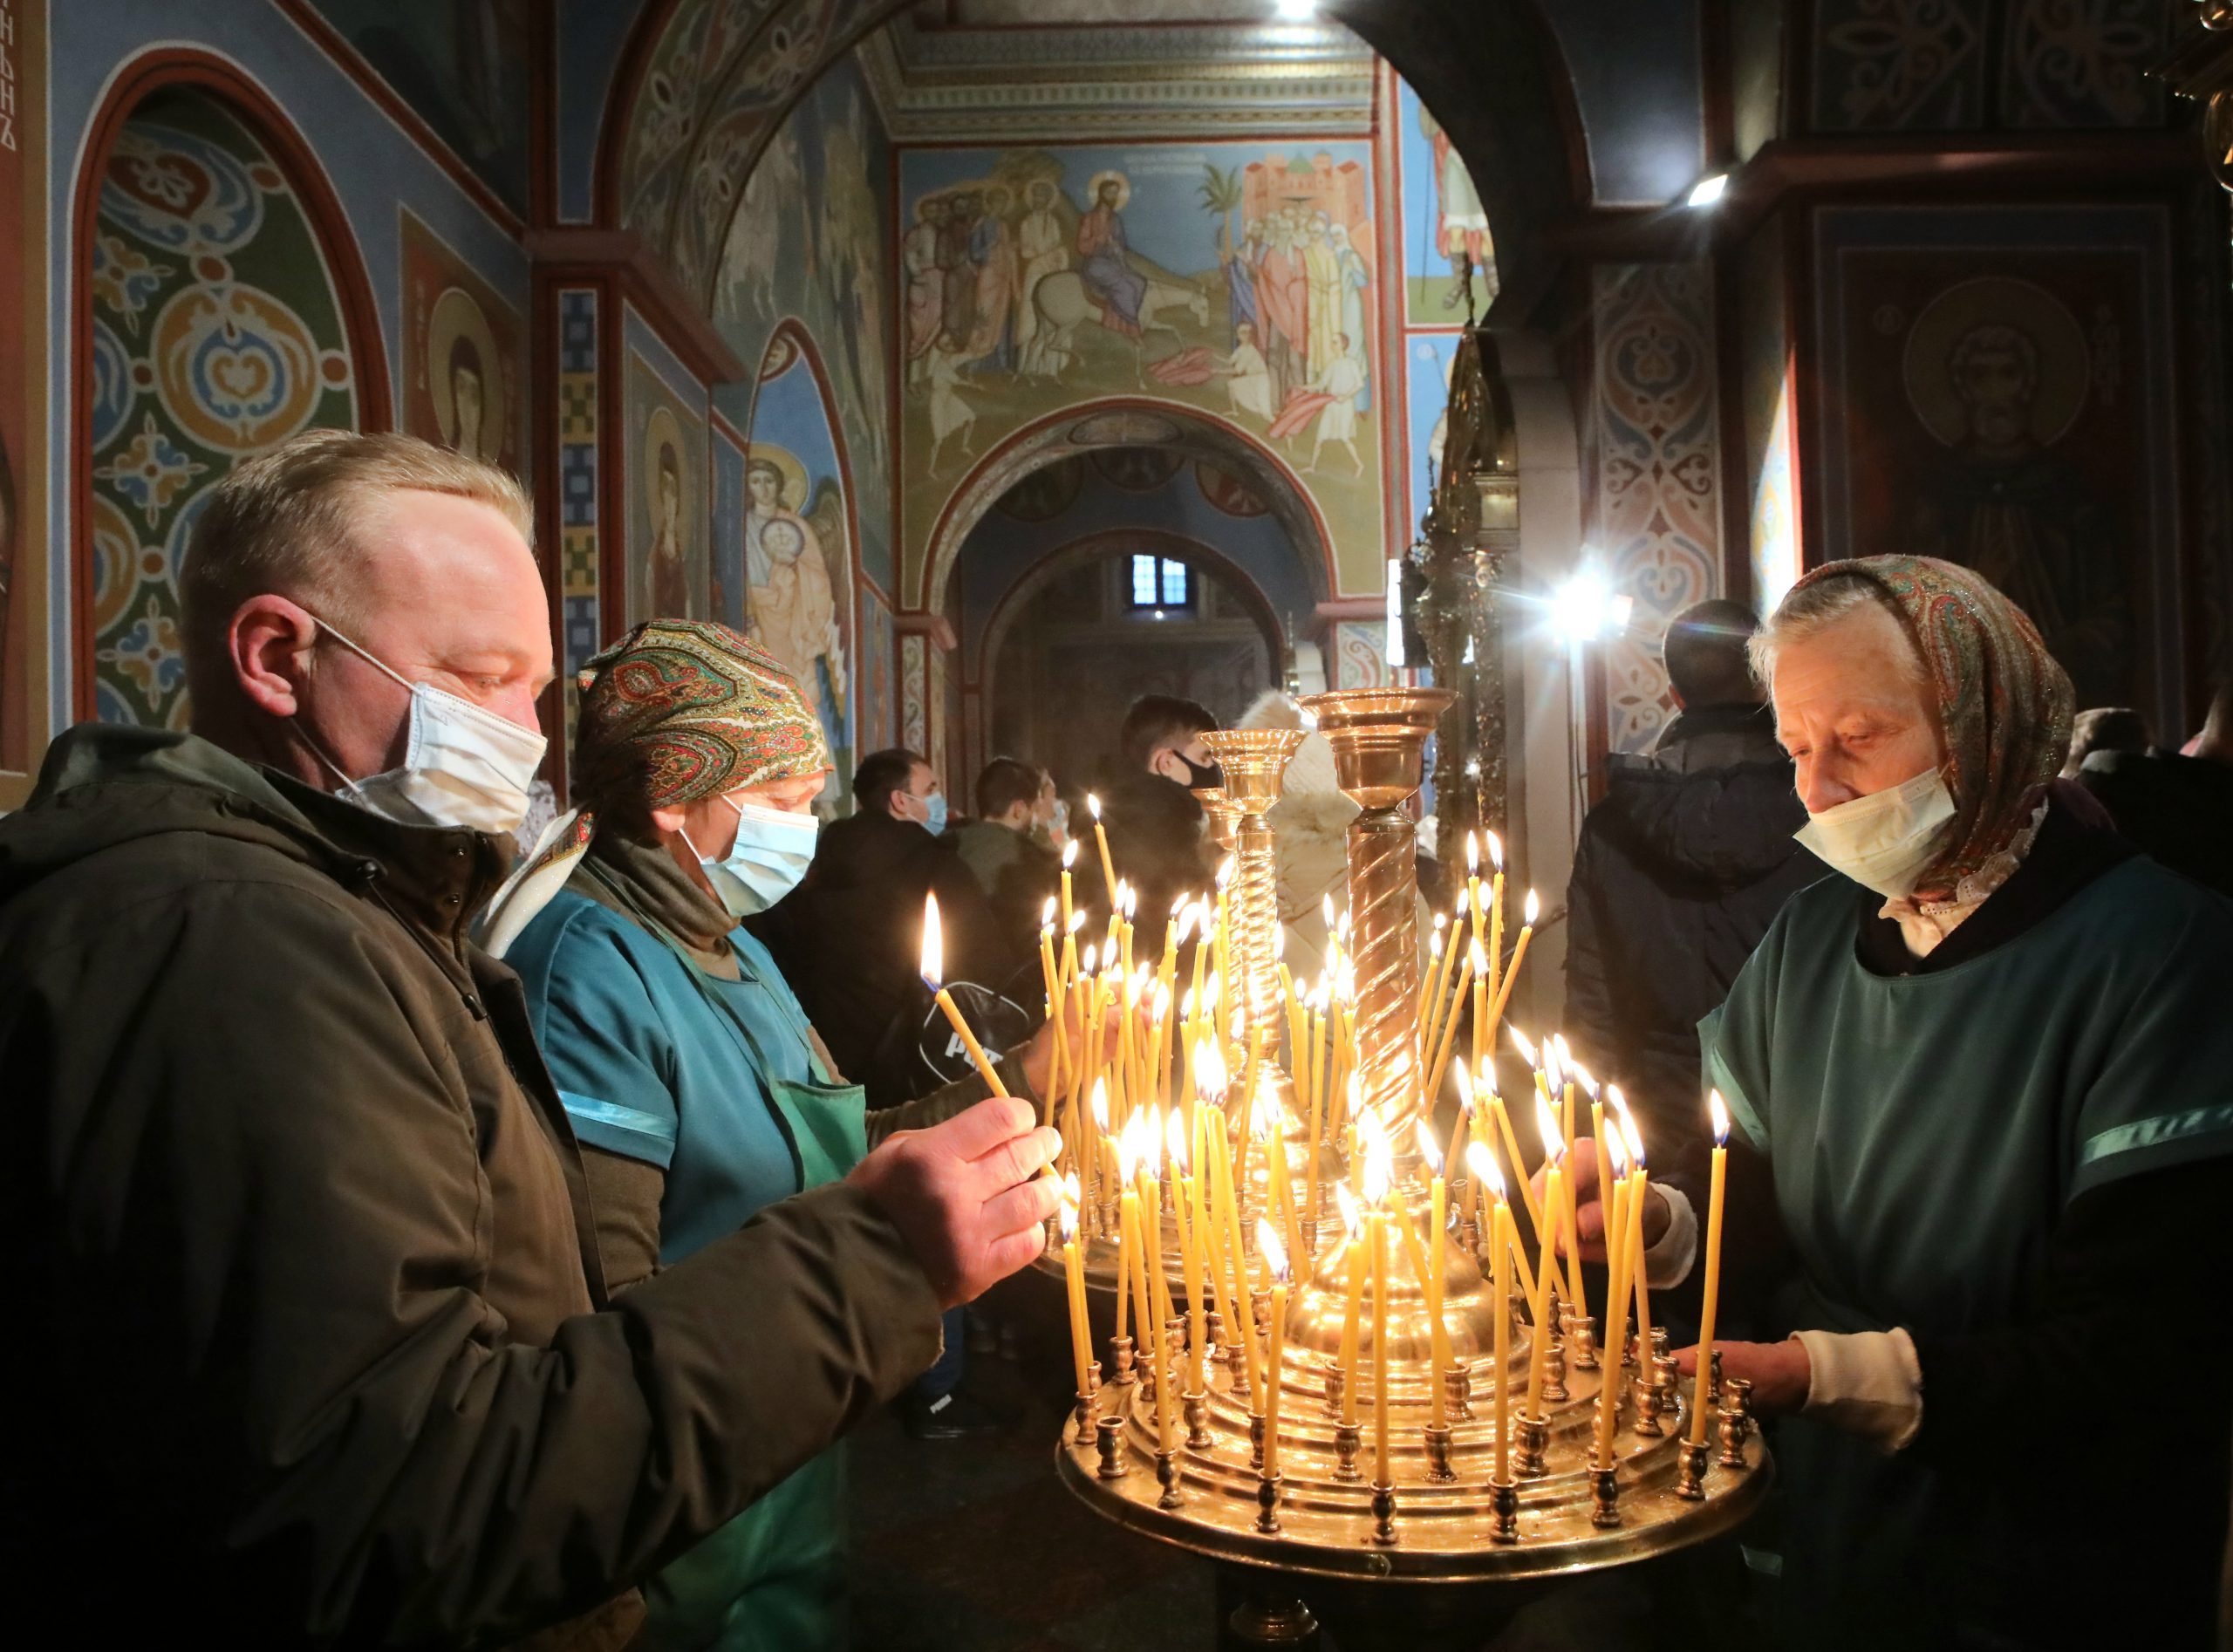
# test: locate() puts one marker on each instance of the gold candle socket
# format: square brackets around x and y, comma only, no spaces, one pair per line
[1735,1421]
[1346,1440]
[1335,1380]
[1458,1390]
[1109,1440]
[1197,1410]
[1531,1436]
[1384,1513]
[1167,1476]
[1606,1485]
[1690,1479]
[1438,1469]
[1267,1503]
[1503,1511]
[1223,813]
[1120,1350]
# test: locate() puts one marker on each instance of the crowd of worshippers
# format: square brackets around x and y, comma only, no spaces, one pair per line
[437,1230]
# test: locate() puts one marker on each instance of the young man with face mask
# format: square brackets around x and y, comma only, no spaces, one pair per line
[1158,833]
[325,1340]
[1008,847]
[693,1078]
[1980,1076]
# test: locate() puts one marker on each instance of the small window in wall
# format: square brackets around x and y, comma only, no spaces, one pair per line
[1157,582]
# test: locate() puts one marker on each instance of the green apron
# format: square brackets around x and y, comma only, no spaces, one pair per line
[774,1578]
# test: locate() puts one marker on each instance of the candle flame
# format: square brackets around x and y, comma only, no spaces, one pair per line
[1150,1140]
[1070,855]
[1183,923]
[1566,1051]
[1473,853]
[1264,1108]
[1481,1164]
[1180,904]
[1046,913]
[1520,1042]
[1228,868]
[1439,921]
[1069,1213]
[1174,1132]
[1077,918]
[1496,851]
[1583,1076]
[1351,1218]
[1210,1076]
[1100,1105]
[1274,1253]
[1617,1153]
[1434,946]
[1279,942]
[1553,1070]
[1186,1005]
[1635,1142]
[933,958]
[1532,910]
[1159,1005]
[1341,929]
[1128,1151]
[1478,961]
[1326,906]
[1379,1171]
[1093,804]
[1546,1125]
[1720,1118]
[1465,1090]
[1430,1149]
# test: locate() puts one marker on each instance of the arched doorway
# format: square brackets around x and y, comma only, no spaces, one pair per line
[1119,614]
[220,305]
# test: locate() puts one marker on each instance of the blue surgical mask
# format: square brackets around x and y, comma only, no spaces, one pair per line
[934,822]
[773,849]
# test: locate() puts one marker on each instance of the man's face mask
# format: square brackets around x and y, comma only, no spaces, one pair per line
[1198,774]
[463,765]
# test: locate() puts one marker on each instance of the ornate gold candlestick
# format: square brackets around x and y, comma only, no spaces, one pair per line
[1224,815]
[1254,760]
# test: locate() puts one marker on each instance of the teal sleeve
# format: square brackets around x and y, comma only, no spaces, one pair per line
[2163,1093]
[606,1044]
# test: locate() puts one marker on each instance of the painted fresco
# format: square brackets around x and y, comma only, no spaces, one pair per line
[217,334]
[668,571]
[24,379]
[1444,223]
[1653,451]
[809,240]
[461,66]
[878,724]
[1427,383]
[797,540]
[1235,279]
[464,384]
[726,556]
[2009,412]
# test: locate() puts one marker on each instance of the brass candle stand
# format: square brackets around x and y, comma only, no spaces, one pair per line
[1441,1512]
[1254,761]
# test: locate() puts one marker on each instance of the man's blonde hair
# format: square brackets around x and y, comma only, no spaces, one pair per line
[286,522]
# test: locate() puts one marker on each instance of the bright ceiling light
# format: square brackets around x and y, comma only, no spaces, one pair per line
[1586,608]
[1708,190]
[1294,10]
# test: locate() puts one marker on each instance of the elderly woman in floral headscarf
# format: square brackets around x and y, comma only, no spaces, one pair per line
[698,1089]
[1989,1071]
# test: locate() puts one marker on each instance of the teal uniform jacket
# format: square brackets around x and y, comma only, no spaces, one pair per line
[1927,1132]
[718,1084]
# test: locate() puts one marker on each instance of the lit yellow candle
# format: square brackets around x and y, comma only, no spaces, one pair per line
[1272,1121]
[1267,1241]
[1069,909]
[1101,841]
[1449,1032]
[1242,1319]
[1481,1164]
[1473,881]
[1616,1319]
[1128,1230]
[1074,1275]
[1539,1307]
[933,972]
[1437,1340]
[1381,1476]
[1639,1184]
[1353,1226]
[1699,1382]
[1430,987]
[1518,952]
[1317,1110]
[1190,1252]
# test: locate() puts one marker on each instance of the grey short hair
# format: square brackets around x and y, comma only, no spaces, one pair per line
[1812,607]
[285,522]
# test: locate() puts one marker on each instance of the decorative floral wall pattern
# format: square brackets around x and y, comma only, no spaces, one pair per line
[1652,454]
[217,333]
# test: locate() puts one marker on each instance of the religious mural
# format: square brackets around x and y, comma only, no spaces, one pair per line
[1231,278]
[797,540]
[461,66]
[726,555]
[24,378]
[809,240]
[1433,357]
[465,385]
[1446,227]
[668,571]
[878,724]
[217,334]
[2009,412]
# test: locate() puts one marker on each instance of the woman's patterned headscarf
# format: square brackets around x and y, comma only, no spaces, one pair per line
[2004,703]
[680,710]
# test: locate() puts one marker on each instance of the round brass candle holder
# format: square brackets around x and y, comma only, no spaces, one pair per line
[1437,1512]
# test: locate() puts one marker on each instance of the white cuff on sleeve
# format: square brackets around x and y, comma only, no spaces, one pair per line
[1868,1383]
[1669,1262]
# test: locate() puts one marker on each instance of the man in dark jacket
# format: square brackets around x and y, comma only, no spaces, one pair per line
[323,1345]
[1680,868]
[1158,833]
[2177,806]
[1017,872]
[849,936]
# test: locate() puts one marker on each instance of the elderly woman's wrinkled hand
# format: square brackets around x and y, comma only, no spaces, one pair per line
[1590,1213]
[1780,1373]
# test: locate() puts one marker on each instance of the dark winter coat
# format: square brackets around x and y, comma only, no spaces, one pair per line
[2178,809]
[1158,842]
[1016,873]
[850,941]
[1680,867]
[316,1349]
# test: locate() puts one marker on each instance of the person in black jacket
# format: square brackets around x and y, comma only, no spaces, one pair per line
[1157,836]
[2178,806]
[1680,869]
